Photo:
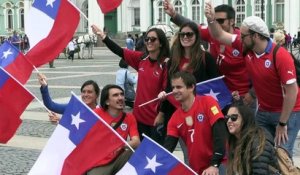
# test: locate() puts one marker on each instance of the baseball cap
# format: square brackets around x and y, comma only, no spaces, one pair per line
[257,25]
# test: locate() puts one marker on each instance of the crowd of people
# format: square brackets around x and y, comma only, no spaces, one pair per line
[238,139]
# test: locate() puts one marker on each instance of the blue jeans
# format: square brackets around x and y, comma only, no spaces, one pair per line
[269,121]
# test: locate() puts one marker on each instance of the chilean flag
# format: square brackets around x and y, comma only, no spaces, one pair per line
[14,62]
[50,25]
[14,98]
[151,158]
[80,140]
[217,89]
[107,6]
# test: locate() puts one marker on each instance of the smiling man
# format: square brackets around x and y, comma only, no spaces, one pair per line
[112,105]
[200,124]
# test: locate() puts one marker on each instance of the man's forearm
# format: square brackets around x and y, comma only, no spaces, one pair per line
[289,101]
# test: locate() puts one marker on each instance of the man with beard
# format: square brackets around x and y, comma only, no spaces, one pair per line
[275,85]
[112,106]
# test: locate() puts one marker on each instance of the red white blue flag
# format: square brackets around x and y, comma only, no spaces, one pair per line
[217,89]
[14,62]
[14,98]
[79,142]
[151,158]
[50,25]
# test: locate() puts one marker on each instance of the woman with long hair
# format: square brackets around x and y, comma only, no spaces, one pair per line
[152,74]
[251,148]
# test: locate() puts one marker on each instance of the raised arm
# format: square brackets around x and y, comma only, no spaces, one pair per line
[215,29]
[48,102]
[176,18]
[114,47]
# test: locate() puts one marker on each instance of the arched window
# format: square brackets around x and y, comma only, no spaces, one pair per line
[178,6]
[196,11]
[161,13]
[21,12]
[240,12]
[10,19]
[279,11]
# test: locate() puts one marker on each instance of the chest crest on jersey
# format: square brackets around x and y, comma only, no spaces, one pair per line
[235,52]
[267,63]
[200,117]
[123,126]
[189,120]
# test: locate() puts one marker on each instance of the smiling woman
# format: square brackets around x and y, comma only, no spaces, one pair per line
[248,143]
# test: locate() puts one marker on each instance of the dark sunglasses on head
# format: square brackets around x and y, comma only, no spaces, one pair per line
[187,34]
[221,20]
[233,117]
[151,39]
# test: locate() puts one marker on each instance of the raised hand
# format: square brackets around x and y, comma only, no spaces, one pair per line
[169,9]
[97,31]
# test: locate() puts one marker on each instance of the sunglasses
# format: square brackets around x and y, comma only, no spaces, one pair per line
[233,117]
[151,39]
[221,20]
[187,34]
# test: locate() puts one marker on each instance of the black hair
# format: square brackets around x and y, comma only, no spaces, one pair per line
[91,82]
[188,79]
[123,64]
[164,49]
[105,94]
[229,10]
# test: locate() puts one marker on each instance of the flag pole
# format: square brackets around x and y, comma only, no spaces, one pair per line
[104,122]
[155,99]
[170,93]
[79,11]
[27,90]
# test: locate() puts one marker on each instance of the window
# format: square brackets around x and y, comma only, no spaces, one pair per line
[240,12]
[9,19]
[196,11]
[178,6]
[136,15]
[161,13]
[259,8]
[21,18]
[279,11]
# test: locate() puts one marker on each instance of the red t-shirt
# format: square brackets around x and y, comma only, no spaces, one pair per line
[127,128]
[152,79]
[230,62]
[195,129]
[266,80]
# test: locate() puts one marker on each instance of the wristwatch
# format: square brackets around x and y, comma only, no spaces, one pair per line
[282,124]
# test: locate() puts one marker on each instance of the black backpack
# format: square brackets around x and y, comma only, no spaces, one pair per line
[296,63]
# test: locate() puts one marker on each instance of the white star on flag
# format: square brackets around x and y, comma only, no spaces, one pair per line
[6,53]
[50,2]
[76,120]
[212,94]
[152,164]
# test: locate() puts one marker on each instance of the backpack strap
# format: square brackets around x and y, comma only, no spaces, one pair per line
[120,121]
[274,56]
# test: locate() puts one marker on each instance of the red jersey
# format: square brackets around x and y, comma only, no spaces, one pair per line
[127,128]
[266,80]
[152,79]
[195,129]
[230,62]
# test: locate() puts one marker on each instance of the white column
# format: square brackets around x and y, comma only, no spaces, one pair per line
[95,15]
[291,16]
[145,13]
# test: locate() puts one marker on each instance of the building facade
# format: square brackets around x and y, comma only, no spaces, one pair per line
[138,15]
